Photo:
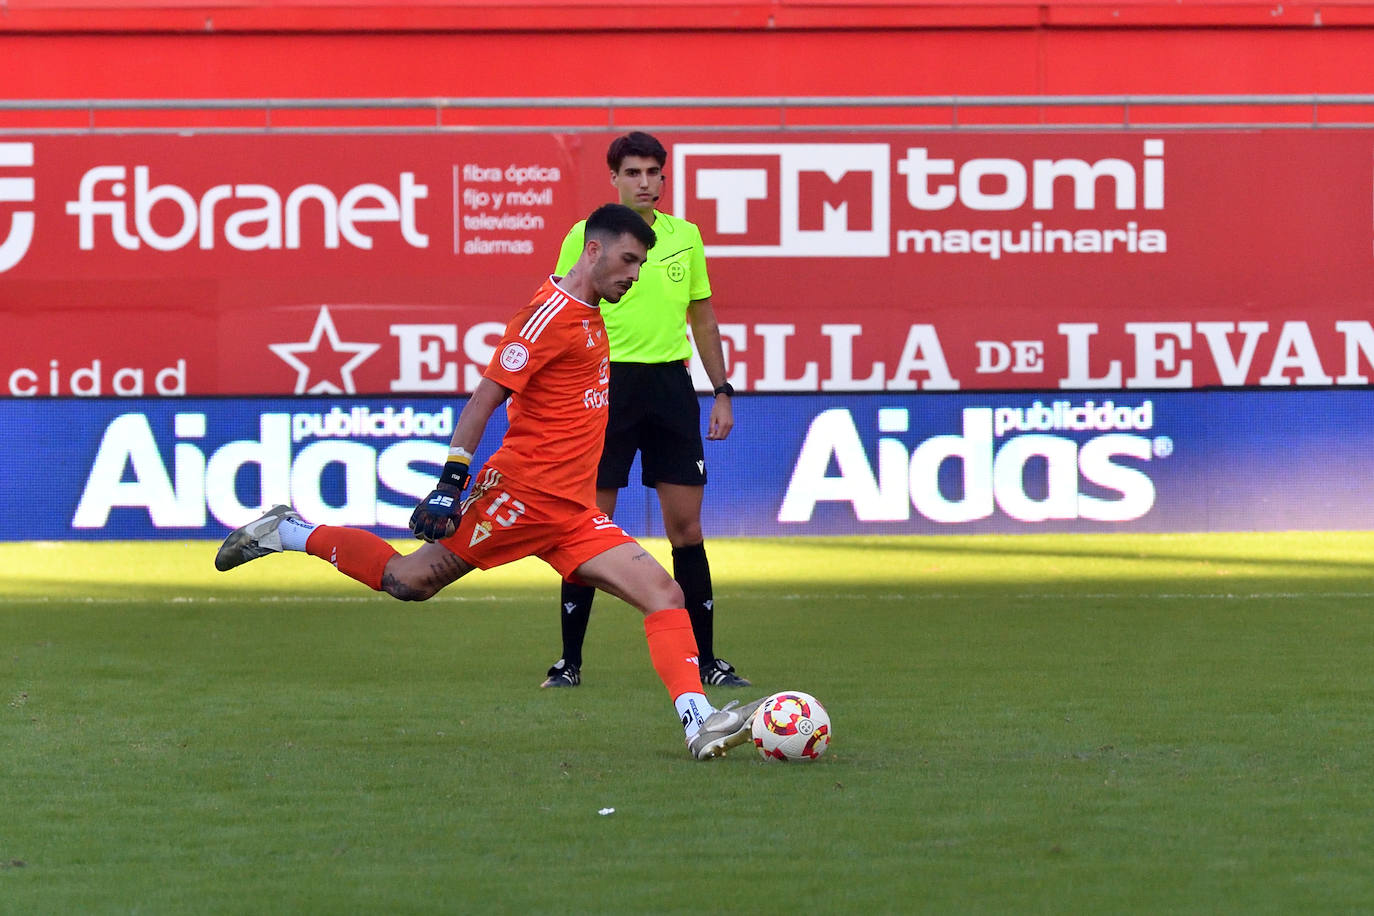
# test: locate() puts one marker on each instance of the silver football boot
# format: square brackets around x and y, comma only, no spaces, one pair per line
[256,539]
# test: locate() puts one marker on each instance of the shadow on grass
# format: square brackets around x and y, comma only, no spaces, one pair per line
[1109,564]
[1244,549]
[476,598]
[98,592]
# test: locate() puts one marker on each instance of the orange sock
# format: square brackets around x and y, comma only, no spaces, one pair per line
[673,649]
[354,552]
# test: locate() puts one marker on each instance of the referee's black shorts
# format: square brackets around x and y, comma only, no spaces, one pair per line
[655,412]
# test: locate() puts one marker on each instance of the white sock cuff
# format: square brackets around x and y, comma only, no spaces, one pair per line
[294,534]
[692,709]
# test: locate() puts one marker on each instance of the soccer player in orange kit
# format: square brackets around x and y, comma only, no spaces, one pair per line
[536,496]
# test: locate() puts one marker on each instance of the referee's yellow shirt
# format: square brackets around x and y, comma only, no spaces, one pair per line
[649,324]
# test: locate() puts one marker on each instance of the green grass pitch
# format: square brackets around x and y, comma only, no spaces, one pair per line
[1031,724]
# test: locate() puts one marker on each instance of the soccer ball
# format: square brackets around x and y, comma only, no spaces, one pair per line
[791,726]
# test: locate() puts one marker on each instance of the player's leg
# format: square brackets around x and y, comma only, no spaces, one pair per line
[420,575]
[356,553]
[675,466]
[596,551]
[575,600]
[681,507]
[631,574]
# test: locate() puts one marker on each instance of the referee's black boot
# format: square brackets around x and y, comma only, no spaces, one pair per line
[719,673]
[563,674]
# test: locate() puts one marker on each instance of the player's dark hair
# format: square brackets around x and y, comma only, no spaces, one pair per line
[635,143]
[610,221]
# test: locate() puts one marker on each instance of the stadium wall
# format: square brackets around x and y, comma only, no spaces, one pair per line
[55,49]
[932,332]
[899,260]
[936,331]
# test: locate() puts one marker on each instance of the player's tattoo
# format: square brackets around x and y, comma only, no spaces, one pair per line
[447,569]
[442,571]
[394,587]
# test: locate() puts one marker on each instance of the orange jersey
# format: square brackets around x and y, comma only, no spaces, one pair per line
[555,358]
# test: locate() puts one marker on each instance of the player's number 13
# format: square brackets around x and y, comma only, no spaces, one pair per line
[513,511]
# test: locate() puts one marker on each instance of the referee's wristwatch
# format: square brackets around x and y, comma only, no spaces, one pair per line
[726,389]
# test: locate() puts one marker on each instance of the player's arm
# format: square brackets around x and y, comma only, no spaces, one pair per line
[706,333]
[436,516]
[472,421]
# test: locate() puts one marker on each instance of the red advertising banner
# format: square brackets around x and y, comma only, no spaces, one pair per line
[377,264]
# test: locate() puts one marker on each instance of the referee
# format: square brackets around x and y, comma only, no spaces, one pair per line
[654,408]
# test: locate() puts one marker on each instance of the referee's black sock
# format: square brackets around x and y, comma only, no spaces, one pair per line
[693,573]
[576,611]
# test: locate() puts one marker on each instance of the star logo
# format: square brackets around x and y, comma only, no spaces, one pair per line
[333,372]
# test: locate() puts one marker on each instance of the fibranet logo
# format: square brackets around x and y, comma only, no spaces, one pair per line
[17,189]
[996,450]
[786,199]
[222,213]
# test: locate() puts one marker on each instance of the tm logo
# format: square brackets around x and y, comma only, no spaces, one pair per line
[773,200]
[16,190]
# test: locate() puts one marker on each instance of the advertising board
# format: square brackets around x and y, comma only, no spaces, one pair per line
[275,264]
[877,463]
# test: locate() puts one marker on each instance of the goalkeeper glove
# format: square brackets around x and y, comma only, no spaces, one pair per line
[436,517]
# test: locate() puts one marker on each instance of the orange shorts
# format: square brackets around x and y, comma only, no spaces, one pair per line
[503,521]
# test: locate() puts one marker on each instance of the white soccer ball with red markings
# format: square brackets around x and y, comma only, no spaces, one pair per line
[791,726]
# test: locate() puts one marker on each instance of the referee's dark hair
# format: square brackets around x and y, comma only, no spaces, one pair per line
[635,143]
[611,221]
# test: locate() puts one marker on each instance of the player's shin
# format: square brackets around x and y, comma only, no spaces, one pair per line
[673,651]
[358,554]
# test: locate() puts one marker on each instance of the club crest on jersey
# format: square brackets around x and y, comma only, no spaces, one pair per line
[480,532]
[514,357]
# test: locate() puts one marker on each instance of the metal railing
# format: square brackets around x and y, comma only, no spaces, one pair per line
[733,113]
